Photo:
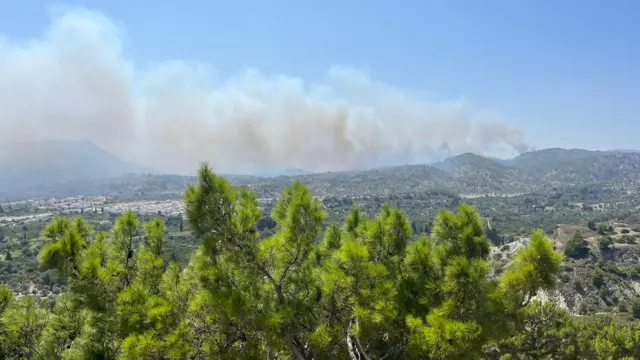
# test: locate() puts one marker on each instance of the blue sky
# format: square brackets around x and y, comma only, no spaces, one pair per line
[565,72]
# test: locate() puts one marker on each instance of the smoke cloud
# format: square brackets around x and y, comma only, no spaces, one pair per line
[74,82]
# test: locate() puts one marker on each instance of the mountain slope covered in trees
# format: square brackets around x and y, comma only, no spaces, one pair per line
[466,174]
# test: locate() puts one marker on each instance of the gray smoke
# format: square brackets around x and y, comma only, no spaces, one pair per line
[74,82]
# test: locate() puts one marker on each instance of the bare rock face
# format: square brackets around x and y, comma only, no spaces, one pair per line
[555,297]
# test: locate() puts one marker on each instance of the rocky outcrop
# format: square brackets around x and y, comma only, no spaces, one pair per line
[605,280]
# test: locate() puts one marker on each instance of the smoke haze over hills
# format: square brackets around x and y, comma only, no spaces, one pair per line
[75,83]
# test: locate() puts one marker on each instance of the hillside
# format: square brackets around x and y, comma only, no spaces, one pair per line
[518,197]
[50,162]
[604,278]
[467,175]
[454,266]
[472,175]
[574,167]
[534,190]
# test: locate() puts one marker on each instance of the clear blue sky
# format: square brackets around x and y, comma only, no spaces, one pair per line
[566,72]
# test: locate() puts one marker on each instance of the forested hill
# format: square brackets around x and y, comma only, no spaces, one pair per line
[466,175]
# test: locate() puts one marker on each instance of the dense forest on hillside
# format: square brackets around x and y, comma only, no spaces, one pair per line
[364,289]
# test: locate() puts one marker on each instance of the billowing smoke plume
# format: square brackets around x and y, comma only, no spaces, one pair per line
[74,82]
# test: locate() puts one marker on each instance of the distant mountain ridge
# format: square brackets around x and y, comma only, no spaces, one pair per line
[283,172]
[475,175]
[52,161]
[466,174]
[626,150]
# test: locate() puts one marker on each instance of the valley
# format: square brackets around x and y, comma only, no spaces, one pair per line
[543,189]
[585,203]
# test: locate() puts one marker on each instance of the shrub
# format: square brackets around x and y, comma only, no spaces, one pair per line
[583,309]
[622,307]
[598,278]
[634,271]
[602,229]
[605,242]
[635,308]
[614,269]
[604,293]
[619,240]
[628,239]
[625,231]
[615,299]
[576,247]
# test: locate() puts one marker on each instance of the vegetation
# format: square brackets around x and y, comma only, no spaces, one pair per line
[576,247]
[635,308]
[20,246]
[605,242]
[368,289]
[592,174]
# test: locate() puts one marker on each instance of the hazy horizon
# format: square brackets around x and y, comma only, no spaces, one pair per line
[289,171]
[82,77]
